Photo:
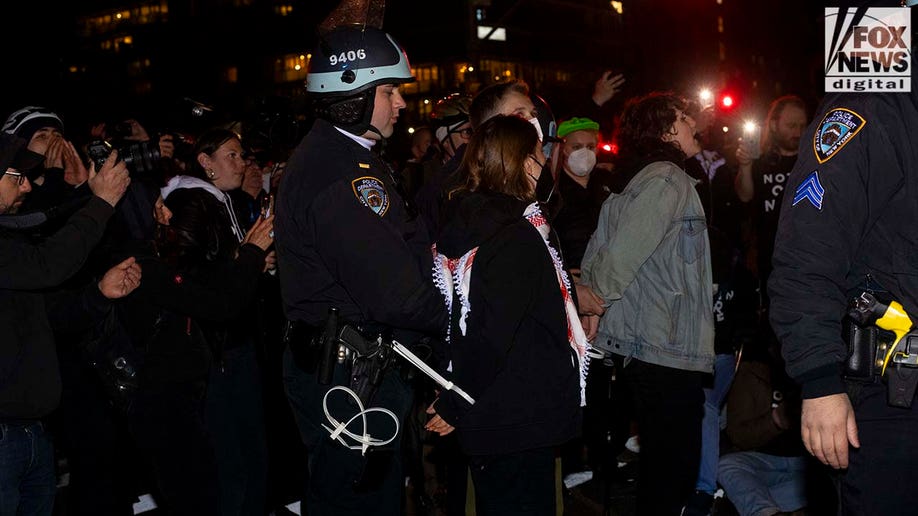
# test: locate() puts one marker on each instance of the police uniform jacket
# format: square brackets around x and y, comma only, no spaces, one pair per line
[849,212]
[345,239]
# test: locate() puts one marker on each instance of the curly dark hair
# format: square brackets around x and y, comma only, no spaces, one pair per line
[643,123]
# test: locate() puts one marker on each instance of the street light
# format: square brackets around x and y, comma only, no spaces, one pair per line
[706,97]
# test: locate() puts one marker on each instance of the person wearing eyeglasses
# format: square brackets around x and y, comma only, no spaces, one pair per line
[33,306]
[649,261]
[452,130]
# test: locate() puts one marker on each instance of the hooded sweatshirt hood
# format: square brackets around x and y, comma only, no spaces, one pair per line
[183,182]
[471,218]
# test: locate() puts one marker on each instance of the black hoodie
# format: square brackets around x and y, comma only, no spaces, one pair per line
[514,358]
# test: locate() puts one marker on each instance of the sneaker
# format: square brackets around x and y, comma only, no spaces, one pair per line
[699,504]
[633,444]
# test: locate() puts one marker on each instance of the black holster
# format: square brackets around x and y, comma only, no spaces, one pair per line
[862,342]
[371,358]
[867,348]
[314,348]
[318,349]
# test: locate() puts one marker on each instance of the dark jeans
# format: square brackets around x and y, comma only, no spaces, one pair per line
[334,471]
[168,424]
[669,405]
[515,484]
[27,477]
[235,415]
[881,475]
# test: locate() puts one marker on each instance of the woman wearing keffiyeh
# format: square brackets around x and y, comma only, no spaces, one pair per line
[515,343]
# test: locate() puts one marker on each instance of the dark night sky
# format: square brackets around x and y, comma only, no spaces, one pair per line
[787,32]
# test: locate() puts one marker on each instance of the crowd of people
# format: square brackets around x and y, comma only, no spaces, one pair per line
[203,322]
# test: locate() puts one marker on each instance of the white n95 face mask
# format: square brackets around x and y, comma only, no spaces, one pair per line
[581,161]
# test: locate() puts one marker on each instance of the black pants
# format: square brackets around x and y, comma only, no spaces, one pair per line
[882,473]
[104,476]
[235,415]
[515,484]
[168,423]
[342,482]
[669,406]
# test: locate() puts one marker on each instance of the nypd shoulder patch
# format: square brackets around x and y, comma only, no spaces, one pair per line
[810,190]
[837,128]
[371,192]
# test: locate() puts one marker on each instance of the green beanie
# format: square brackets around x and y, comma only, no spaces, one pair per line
[576,124]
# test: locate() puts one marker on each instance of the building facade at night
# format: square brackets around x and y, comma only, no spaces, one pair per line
[154,58]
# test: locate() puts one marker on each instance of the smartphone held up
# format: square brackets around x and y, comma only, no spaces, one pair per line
[751,139]
[267,205]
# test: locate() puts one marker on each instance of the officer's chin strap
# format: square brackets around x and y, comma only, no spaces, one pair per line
[375,130]
[340,430]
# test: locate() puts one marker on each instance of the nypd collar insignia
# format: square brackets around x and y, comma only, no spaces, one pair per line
[371,192]
[810,190]
[837,128]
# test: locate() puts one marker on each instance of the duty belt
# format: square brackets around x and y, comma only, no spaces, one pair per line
[869,355]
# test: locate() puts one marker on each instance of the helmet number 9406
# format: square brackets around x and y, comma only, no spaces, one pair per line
[345,57]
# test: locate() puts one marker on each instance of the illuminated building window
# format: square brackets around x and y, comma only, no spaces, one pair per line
[428,79]
[291,67]
[232,75]
[107,22]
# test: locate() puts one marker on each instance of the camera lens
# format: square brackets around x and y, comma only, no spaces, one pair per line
[140,157]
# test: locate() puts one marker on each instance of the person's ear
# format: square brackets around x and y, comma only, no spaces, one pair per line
[203,160]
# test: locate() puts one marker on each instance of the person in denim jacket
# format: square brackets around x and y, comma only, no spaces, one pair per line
[649,267]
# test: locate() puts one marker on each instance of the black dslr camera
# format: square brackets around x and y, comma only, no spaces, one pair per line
[140,157]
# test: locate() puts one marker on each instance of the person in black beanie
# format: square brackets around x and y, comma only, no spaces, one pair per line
[59,177]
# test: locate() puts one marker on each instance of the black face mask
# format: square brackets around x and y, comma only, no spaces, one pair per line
[545,187]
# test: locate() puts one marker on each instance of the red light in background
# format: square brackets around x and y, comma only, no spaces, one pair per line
[610,147]
[726,101]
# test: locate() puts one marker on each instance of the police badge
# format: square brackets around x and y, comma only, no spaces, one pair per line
[837,128]
[371,192]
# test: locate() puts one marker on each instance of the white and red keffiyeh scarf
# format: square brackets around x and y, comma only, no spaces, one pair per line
[455,275]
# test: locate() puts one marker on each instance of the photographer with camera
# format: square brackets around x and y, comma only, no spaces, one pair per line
[34,305]
[90,435]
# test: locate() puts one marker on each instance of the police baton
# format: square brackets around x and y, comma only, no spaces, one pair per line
[426,369]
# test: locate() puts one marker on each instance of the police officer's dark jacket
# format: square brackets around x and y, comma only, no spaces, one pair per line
[345,239]
[850,210]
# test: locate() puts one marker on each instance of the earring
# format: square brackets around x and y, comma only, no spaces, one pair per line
[210,173]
